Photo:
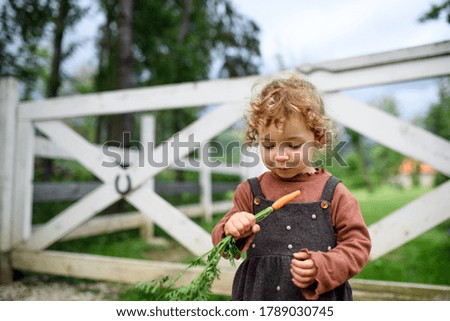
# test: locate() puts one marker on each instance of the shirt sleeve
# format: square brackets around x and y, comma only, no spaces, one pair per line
[352,250]
[242,202]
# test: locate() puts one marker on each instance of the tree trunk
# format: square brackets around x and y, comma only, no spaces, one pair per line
[118,124]
[54,81]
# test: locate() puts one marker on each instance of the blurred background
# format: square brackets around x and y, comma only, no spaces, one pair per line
[65,47]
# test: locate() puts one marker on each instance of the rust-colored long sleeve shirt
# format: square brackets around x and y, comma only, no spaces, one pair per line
[353,241]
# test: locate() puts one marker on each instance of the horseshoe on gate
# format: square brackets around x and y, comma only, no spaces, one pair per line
[127,189]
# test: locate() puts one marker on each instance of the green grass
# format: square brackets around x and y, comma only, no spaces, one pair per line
[425,259]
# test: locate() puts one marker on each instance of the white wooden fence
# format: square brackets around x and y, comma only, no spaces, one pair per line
[23,247]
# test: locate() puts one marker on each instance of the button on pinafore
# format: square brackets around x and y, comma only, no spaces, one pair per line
[265,273]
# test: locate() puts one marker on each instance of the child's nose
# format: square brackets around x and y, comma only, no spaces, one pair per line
[281,158]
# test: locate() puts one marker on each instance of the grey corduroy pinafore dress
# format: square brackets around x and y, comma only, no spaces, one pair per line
[265,273]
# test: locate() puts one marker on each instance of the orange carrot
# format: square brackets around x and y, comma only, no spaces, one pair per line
[285,199]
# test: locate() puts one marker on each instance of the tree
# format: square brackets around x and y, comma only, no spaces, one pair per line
[178,41]
[66,15]
[386,162]
[374,162]
[437,120]
[435,12]
[361,149]
[24,24]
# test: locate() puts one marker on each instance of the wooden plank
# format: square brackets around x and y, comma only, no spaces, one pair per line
[6,271]
[23,182]
[45,148]
[125,221]
[84,152]
[133,271]
[206,192]
[102,225]
[390,131]
[72,217]
[416,66]
[371,290]
[410,221]
[113,269]
[9,100]
[148,133]
[382,58]
[147,136]
[200,131]
[65,191]
[383,74]
[223,116]
[139,99]
[175,223]
[70,191]
[195,210]
[228,169]
[106,224]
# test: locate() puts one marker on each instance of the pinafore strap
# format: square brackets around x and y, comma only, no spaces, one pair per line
[330,187]
[255,187]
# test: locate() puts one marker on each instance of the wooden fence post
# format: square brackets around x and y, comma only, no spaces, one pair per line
[205,183]
[9,99]
[23,182]
[147,135]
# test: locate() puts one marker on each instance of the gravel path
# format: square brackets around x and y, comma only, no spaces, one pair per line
[49,288]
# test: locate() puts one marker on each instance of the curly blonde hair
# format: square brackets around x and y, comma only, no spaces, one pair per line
[284,97]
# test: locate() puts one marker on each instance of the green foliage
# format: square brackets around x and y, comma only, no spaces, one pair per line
[200,288]
[435,12]
[23,25]
[25,28]
[438,119]
[178,41]
[125,244]
[369,163]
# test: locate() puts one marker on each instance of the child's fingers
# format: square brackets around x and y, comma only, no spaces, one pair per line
[245,221]
[238,225]
[298,284]
[302,255]
[302,279]
[302,284]
[303,264]
[303,272]
[251,218]
[256,228]
[231,230]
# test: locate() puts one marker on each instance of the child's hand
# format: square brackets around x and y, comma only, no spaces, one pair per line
[241,224]
[303,269]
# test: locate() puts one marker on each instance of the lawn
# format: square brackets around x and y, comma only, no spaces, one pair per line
[425,259]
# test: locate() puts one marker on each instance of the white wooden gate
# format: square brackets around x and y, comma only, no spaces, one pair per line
[24,247]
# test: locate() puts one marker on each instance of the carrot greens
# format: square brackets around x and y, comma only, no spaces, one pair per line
[200,288]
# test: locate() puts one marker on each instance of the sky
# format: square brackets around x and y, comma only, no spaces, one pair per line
[300,31]
[294,32]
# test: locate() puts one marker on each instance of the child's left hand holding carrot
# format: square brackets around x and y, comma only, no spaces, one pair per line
[303,269]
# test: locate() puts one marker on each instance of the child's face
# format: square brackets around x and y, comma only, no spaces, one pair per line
[288,152]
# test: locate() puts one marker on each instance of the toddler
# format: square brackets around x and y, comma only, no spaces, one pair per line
[311,247]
